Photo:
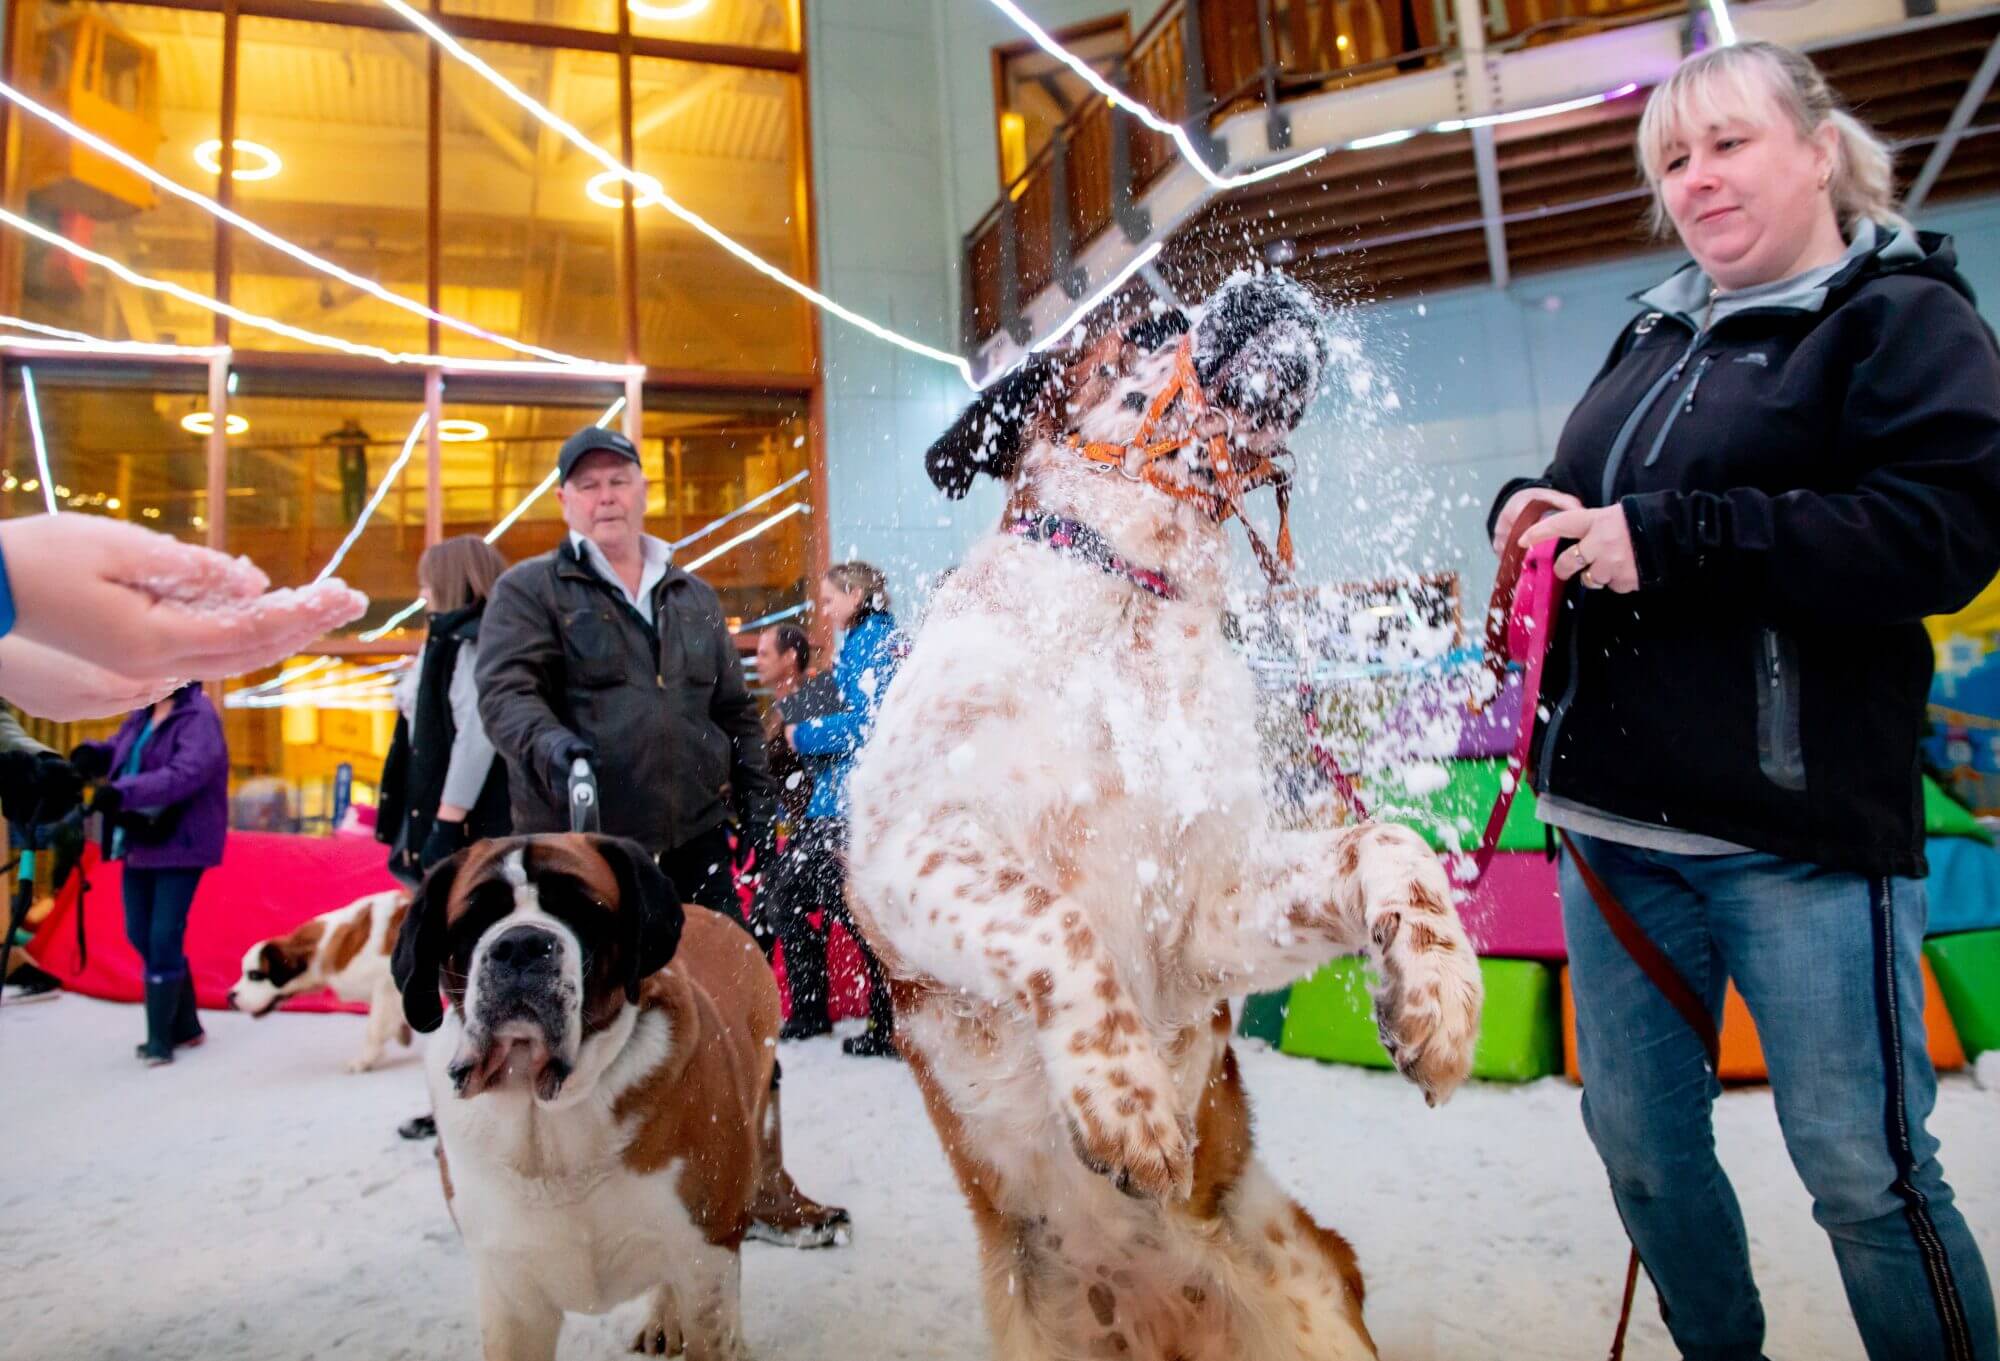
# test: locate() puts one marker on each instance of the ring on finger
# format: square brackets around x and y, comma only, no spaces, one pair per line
[1589,582]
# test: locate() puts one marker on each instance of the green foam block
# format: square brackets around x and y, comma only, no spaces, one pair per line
[1264,1015]
[1945,817]
[1452,817]
[1967,966]
[1520,1031]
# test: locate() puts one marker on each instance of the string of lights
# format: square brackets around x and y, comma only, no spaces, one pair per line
[648,191]
[112,151]
[324,341]
[395,470]
[776,616]
[712,554]
[41,445]
[1119,99]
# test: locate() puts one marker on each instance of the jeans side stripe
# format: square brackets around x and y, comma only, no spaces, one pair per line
[1916,1206]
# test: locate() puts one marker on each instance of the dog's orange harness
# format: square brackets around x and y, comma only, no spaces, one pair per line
[1139,459]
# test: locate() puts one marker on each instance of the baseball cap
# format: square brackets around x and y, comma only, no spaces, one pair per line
[589,440]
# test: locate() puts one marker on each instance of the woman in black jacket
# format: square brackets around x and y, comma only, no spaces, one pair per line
[442,788]
[1791,457]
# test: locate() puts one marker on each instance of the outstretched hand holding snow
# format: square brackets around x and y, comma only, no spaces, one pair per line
[113,595]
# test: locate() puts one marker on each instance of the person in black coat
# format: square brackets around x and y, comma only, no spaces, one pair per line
[1791,456]
[442,786]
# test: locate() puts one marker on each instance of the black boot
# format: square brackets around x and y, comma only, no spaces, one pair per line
[878,1041]
[163,1000]
[187,1019]
[805,979]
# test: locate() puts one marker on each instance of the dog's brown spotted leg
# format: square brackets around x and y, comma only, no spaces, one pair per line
[1377,890]
[996,933]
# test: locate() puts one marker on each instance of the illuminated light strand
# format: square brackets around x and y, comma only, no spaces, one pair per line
[272,324]
[1725,27]
[712,554]
[685,9]
[289,675]
[381,490]
[1139,111]
[297,252]
[1490,120]
[378,673]
[740,511]
[772,618]
[1081,312]
[137,349]
[41,446]
[555,123]
[506,523]
[337,697]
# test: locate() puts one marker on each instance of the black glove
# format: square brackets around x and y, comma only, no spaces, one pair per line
[62,787]
[20,785]
[90,762]
[760,839]
[107,800]
[446,839]
[569,749]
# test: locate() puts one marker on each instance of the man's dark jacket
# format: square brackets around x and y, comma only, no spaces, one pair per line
[1803,483]
[675,731]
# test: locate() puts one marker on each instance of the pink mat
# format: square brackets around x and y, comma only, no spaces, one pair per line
[267,883]
[1515,912]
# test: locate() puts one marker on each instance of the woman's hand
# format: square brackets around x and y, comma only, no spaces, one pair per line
[1602,553]
[114,594]
[1509,513]
[54,685]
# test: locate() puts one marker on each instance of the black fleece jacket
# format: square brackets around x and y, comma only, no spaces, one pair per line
[1804,482]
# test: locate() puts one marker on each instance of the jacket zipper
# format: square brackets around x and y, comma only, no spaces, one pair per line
[1780,755]
[1630,428]
[1686,404]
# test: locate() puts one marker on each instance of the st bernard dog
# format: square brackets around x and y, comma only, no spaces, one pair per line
[602,1081]
[347,950]
[1065,852]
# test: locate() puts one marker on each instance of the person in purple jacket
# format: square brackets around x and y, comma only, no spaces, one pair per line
[163,787]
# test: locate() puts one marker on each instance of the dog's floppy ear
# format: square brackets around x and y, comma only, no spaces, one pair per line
[419,953]
[650,906]
[986,437]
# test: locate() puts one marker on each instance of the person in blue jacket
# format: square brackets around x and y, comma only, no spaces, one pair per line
[855,599]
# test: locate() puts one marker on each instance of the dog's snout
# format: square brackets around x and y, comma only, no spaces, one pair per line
[523,949]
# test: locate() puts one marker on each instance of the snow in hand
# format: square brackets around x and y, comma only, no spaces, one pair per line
[253,1201]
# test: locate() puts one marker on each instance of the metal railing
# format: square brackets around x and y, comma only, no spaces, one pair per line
[1196,62]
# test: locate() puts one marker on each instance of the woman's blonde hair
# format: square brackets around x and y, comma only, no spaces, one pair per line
[458,572]
[1728,82]
[865,578]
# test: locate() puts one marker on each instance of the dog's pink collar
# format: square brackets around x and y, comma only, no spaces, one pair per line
[1079,540]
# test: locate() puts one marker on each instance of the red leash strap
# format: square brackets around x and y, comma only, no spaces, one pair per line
[1519,625]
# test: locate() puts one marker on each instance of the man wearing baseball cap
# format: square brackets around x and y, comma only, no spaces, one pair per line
[603,649]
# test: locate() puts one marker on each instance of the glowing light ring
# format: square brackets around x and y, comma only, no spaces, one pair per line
[270,238]
[209,157]
[203,423]
[462,431]
[646,190]
[671,14]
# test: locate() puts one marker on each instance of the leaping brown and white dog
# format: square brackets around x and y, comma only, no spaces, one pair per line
[347,950]
[607,1126]
[1064,851]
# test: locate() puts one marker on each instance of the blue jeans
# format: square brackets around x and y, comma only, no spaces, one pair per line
[1828,963]
[156,918]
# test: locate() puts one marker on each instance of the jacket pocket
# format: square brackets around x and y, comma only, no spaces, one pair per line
[593,649]
[1780,750]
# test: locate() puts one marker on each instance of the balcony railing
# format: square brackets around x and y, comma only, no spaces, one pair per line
[1195,63]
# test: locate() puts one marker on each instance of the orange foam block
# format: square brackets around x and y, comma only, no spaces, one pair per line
[1743,1054]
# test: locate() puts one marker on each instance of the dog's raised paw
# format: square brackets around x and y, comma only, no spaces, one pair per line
[1149,1156]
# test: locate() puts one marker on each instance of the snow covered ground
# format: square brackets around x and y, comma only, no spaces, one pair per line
[253,1201]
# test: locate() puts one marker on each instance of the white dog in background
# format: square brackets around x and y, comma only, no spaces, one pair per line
[347,950]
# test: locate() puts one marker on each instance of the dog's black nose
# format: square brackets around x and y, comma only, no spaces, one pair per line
[521,949]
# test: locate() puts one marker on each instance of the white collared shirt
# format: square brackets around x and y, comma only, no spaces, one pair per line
[654,556]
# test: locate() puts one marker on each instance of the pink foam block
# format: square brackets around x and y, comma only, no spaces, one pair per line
[1515,912]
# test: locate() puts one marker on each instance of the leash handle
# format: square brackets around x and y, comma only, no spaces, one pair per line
[583,809]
